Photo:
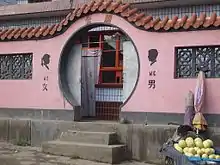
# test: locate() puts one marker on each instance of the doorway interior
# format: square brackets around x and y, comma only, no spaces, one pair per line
[102,73]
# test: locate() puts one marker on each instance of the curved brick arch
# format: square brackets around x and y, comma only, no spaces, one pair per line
[132,15]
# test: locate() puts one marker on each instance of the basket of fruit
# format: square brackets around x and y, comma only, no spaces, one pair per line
[197,149]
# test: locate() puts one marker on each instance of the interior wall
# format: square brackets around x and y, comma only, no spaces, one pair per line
[74,72]
[130,69]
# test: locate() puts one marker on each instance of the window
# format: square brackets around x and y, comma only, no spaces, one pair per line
[111,61]
[16,66]
[190,60]
[94,41]
[111,66]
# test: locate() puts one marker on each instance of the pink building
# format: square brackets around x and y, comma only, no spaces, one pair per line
[106,60]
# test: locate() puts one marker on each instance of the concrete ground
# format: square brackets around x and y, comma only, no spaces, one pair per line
[16,155]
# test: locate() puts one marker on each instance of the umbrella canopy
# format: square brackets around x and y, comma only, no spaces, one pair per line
[199,121]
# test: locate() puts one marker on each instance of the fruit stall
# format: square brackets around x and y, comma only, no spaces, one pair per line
[190,144]
[191,150]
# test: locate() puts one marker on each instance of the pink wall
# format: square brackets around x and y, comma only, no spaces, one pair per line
[168,96]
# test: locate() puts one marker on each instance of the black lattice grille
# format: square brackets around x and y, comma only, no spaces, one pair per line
[16,66]
[190,60]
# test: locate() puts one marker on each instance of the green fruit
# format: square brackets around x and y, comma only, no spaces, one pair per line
[178,148]
[182,143]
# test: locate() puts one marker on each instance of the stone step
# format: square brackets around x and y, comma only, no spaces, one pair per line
[107,138]
[94,126]
[95,152]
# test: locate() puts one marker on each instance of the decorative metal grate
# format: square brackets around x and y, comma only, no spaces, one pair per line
[108,110]
[190,60]
[16,66]
[22,1]
[47,21]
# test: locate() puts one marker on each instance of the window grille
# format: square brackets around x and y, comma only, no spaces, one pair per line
[16,66]
[31,22]
[190,60]
[184,10]
[22,1]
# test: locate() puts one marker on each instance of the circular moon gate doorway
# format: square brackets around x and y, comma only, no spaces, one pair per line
[99,68]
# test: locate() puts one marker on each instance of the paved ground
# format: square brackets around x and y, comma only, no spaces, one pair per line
[15,155]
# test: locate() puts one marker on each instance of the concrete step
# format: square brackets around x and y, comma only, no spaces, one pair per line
[95,152]
[107,138]
[94,126]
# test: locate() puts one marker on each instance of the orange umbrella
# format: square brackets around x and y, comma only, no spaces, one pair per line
[199,121]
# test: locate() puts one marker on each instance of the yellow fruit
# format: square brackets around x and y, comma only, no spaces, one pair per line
[196,148]
[212,151]
[189,154]
[199,152]
[198,139]
[192,151]
[207,151]
[206,144]
[178,148]
[199,144]
[203,150]
[190,143]
[212,156]
[210,142]
[197,155]
[189,139]
[185,150]
[182,143]
[217,156]
[204,156]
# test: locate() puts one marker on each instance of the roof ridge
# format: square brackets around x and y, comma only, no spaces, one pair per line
[124,10]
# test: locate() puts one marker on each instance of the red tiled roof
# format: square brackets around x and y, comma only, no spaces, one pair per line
[132,15]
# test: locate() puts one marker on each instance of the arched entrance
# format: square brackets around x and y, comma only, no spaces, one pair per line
[99,69]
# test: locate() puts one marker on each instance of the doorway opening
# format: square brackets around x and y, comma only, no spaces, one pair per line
[102,72]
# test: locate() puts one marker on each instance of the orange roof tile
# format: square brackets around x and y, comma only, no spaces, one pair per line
[132,15]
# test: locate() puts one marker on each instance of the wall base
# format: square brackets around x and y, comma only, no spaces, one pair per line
[143,142]
[41,114]
[164,118]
